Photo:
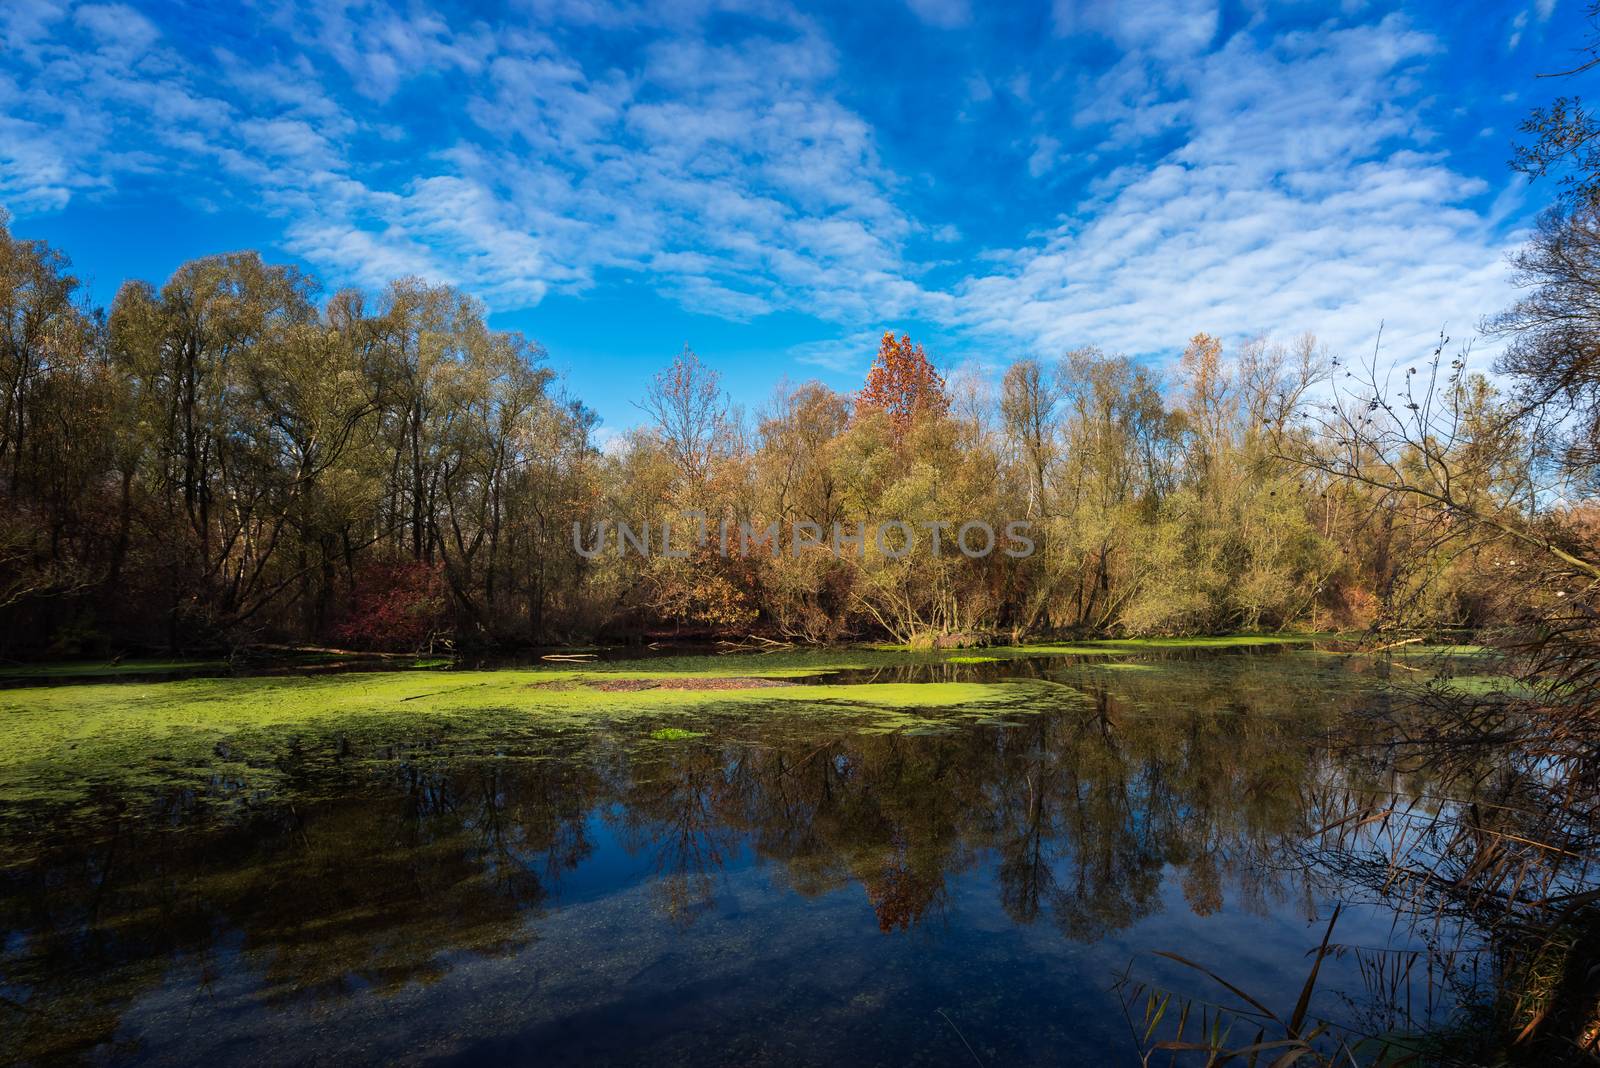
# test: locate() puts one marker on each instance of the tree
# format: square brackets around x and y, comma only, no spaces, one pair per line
[40,323]
[1565,135]
[198,354]
[1209,393]
[690,413]
[1116,434]
[793,461]
[903,384]
[1027,407]
[1553,332]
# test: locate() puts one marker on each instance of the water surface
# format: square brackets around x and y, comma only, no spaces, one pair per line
[751,883]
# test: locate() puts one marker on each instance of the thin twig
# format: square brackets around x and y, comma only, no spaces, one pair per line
[961,1036]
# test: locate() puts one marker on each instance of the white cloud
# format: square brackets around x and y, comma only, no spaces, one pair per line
[945,14]
[725,170]
[1167,28]
[34,175]
[609,440]
[117,26]
[728,171]
[847,354]
[1043,158]
[1295,201]
[381,49]
[25,23]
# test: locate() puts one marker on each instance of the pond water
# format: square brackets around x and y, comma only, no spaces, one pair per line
[750,882]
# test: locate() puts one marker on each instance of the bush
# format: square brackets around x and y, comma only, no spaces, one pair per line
[397,606]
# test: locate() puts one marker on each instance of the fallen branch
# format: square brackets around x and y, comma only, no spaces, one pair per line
[1395,645]
[754,641]
[321,650]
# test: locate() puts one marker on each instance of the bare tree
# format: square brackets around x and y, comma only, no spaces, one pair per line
[1028,401]
[690,412]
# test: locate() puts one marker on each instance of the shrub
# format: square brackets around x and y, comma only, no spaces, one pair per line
[397,605]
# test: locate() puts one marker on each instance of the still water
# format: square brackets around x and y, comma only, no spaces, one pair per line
[755,885]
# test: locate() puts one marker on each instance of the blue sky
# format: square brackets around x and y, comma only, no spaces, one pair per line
[776,184]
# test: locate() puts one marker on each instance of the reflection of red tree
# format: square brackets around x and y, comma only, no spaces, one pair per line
[900,895]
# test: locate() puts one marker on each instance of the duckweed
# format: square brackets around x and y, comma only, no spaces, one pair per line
[69,741]
[675,734]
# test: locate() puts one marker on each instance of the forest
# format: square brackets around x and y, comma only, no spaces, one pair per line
[233,457]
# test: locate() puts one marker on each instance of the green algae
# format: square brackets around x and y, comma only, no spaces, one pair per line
[675,734]
[1487,685]
[68,741]
[277,700]
[801,662]
[1451,653]
[787,663]
[1216,641]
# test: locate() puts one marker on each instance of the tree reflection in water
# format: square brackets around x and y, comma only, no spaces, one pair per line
[361,872]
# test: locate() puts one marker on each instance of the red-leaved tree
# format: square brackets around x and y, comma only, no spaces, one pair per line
[903,384]
[398,605]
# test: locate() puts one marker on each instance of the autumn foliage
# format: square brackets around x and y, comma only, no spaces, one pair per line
[397,605]
[903,384]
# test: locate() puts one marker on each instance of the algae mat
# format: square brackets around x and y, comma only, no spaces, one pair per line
[70,741]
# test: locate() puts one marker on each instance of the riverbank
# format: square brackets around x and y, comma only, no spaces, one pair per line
[281,659]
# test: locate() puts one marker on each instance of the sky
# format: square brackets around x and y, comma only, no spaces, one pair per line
[775,184]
